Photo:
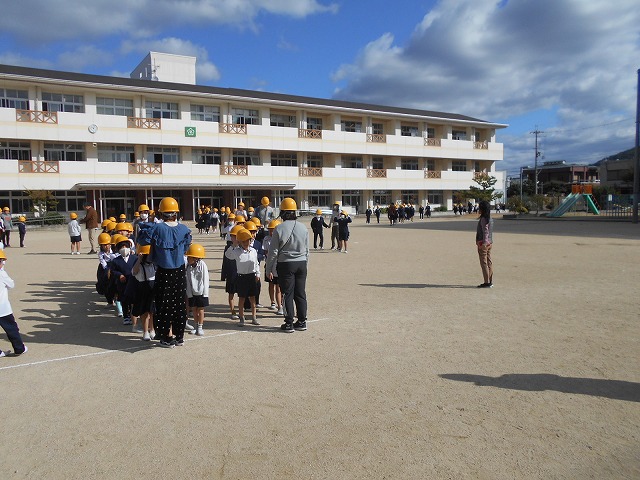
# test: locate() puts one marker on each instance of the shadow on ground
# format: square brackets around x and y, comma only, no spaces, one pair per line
[537,382]
[413,285]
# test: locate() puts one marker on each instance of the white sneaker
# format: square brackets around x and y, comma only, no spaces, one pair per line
[234,317]
[345,251]
[280,311]
[136,329]
[259,305]
[199,331]
[273,307]
[189,327]
[152,334]
[146,337]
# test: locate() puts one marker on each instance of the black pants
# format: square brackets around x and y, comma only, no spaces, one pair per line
[292,278]
[315,239]
[9,325]
[171,302]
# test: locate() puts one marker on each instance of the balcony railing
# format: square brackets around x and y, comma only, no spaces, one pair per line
[310,171]
[150,123]
[38,166]
[235,128]
[36,116]
[234,170]
[309,133]
[481,145]
[432,173]
[376,138]
[145,168]
[432,142]
[376,173]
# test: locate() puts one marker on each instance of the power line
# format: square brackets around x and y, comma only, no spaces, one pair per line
[588,128]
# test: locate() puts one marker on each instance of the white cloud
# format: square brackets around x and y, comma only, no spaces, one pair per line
[83,56]
[498,60]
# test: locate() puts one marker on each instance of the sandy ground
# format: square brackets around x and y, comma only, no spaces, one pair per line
[407,370]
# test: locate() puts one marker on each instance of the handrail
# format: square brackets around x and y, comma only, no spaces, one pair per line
[237,128]
[234,170]
[376,138]
[36,116]
[376,173]
[38,166]
[309,133]
[145,168]
[150,123]
[310,171]
[432,142]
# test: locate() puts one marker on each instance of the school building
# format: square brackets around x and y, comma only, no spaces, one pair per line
[118,142]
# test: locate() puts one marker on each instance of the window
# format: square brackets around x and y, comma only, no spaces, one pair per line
[382,197]
[351,126]
[162,110]
[434,196]
[377,163]
[163,155]
[15,150]
[315,161]
[409,164]
[476,167]
[319,198]
[377,128]
[351,161]
[10,98]
[314,123]
[281,120]
[459,134]
[431,132]
[408,131]
[114,106]
[243,116]
[58,102]
[246,157]
[284,159]
[64,152]
[459,165]
[116,153]
[409,196]
[205,113]
[430,164]
[206,156]
[351,197]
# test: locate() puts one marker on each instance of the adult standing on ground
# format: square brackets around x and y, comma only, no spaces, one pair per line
[169,242]
[335,214]
[288,257]
[484,240]
[8,225]
[91,221]
[264,211]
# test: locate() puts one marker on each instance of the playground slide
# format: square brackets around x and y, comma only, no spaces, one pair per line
[591,205]
[566,204]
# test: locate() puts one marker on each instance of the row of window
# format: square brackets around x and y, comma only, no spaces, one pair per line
[58,102]
[208,156]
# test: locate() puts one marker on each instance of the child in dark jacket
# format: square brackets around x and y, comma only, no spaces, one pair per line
[121,274]
[317,224]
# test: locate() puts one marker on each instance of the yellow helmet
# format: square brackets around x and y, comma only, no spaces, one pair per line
[199,211]
[243,235]
[105,222]
[3,256]
[111,226]
[252,227]
[255,220]
[318,212]
[143,249]
[143,207]
[22,219]
[274,223]
[128,227]
[168,204]
[228,210]
[231,216]
[122,216]
[288,204]
[215,209]
[251,209]
[236,229]
[241,204]
[136,214]
[121,226]
[337,202]
[115,239]
[112,219]
[195,250]
[265,201]
[240,219]
[73,215]
[104,239]
[5,209]
[344,212]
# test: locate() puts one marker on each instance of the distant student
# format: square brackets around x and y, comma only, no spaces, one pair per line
[7,320]
[121,273]
[22,229]
[275,294]
[317,224]
[197,285]
[144,272]
[74,233]
[343,222]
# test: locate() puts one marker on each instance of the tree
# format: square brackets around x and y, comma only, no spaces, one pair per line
[484,190]
[43,200]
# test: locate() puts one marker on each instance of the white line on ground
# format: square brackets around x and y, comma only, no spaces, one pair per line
[138,347]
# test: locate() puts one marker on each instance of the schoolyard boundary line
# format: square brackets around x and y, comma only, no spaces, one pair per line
[139,347]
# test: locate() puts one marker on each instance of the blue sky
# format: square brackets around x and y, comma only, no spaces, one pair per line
[567,67]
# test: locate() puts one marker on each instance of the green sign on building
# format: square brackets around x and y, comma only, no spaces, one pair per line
[189,131]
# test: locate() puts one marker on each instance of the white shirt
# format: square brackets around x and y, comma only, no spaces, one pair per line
[197,279]
[5,284]
[246,260]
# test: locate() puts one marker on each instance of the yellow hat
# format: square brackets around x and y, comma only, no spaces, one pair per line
[243,235]
[196,250]
[73,215]
[236,229]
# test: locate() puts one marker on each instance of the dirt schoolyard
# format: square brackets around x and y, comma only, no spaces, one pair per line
[407,370]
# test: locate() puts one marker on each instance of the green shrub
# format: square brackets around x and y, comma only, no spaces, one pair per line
[441,208]
[53,218]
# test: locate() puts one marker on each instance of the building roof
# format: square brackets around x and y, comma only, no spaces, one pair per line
[103,81]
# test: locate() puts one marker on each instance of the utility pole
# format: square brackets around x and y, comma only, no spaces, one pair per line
[636,157]
[536,132]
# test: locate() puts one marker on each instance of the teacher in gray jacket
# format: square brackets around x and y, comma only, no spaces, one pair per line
[288,257]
